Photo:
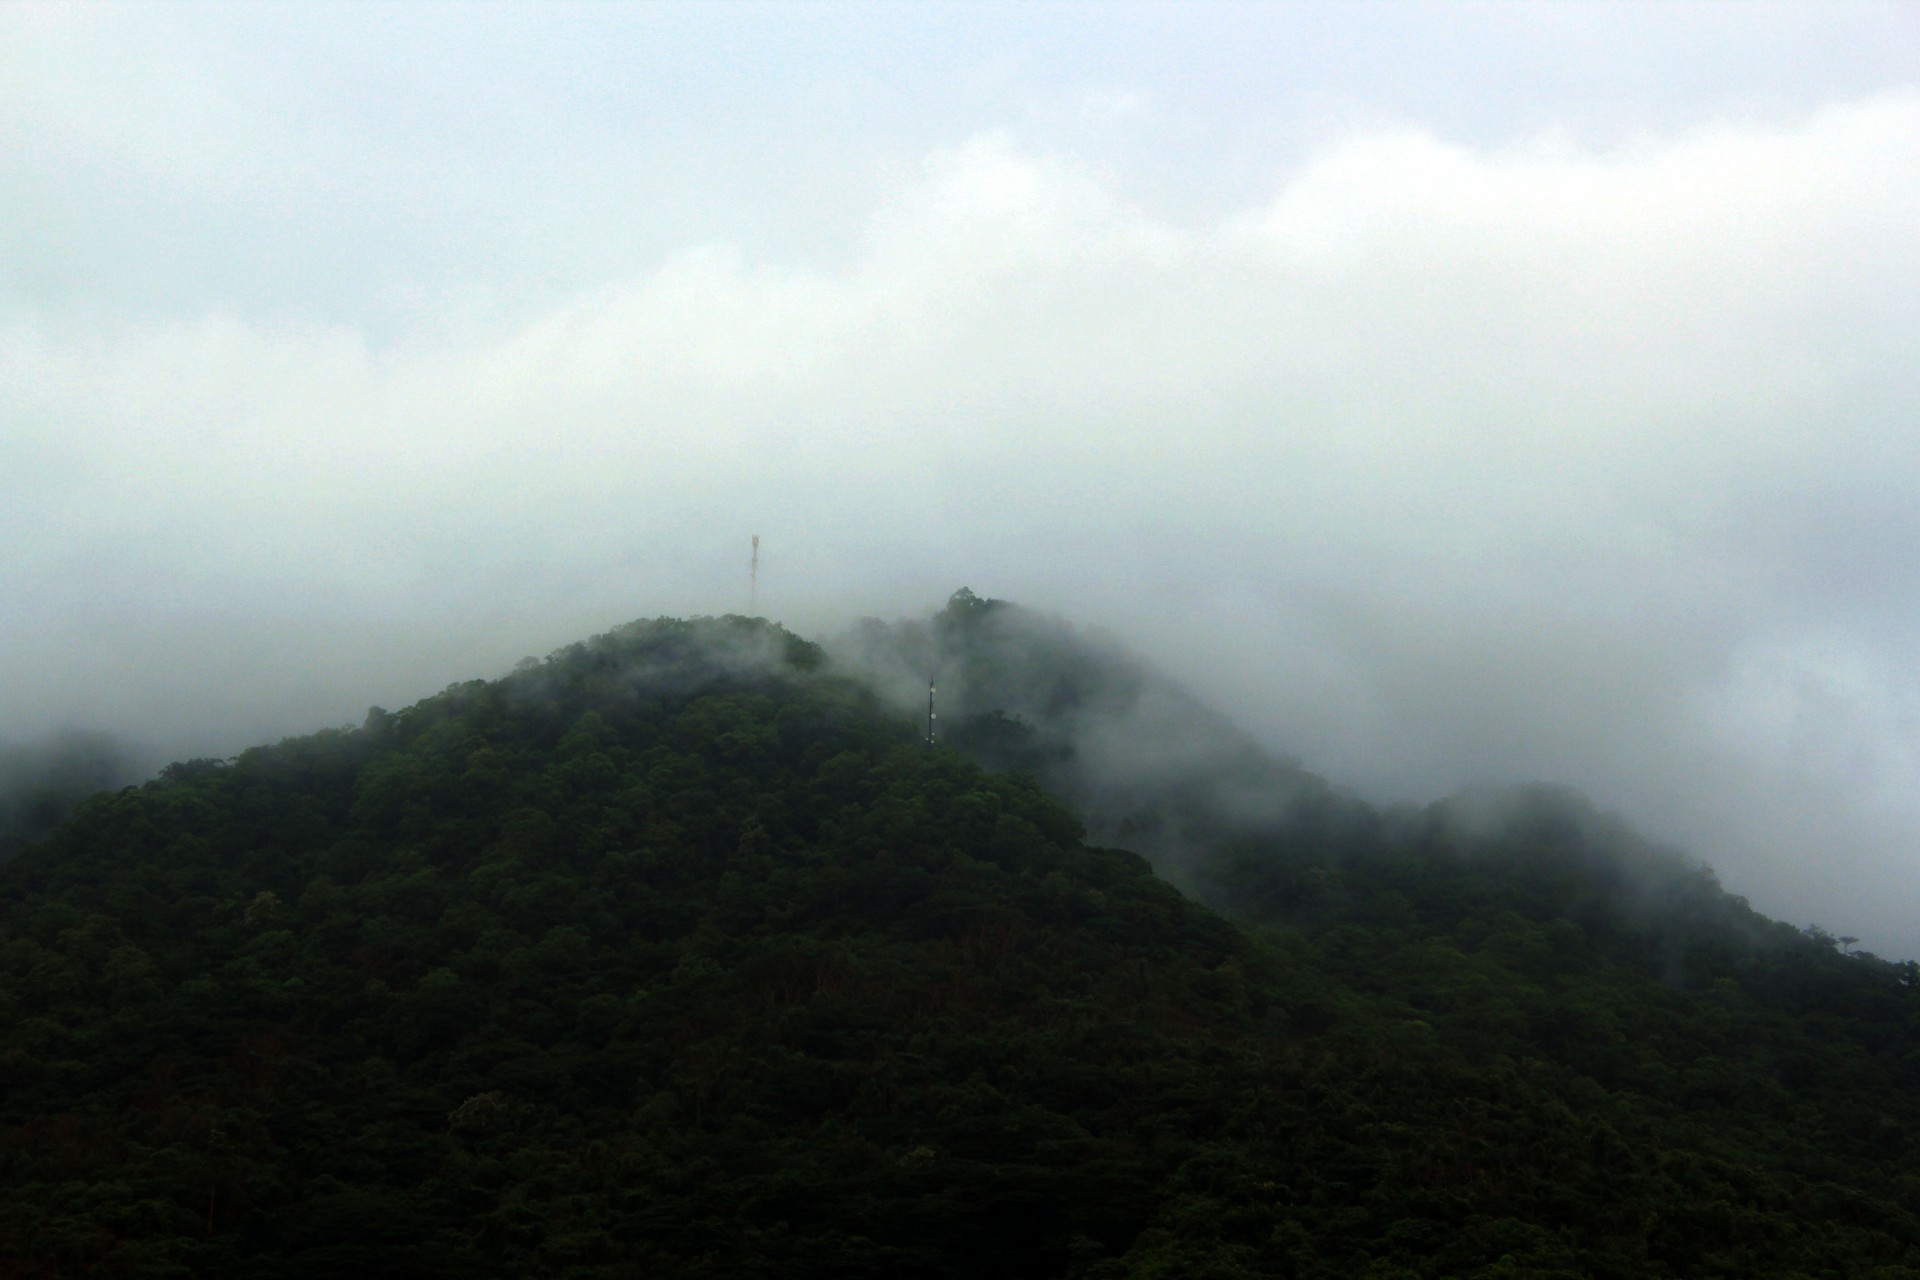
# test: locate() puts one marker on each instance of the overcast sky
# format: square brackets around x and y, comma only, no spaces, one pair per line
[1454,393]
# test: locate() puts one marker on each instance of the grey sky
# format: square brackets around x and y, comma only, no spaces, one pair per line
[1453,393]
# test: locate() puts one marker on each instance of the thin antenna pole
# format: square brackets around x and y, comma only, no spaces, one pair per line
[753,579]
[929,710]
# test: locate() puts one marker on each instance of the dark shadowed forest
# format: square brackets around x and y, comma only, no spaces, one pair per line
[683,953]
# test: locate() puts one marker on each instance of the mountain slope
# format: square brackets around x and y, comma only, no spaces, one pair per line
[1148,766]
[667,954]
[681,954]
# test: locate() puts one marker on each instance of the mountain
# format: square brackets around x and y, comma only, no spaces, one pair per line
[682,954]
[1148,766]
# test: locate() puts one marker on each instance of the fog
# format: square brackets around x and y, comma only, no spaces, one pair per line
[1451,396]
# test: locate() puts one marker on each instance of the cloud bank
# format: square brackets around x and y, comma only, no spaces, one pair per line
[1438,464]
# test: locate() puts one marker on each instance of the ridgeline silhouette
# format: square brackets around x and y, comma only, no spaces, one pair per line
[680,953]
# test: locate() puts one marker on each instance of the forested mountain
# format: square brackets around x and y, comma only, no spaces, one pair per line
[683,954]
[1149,767]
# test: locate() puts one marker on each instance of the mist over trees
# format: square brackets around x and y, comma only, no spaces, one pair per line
[42,781]
[682,952]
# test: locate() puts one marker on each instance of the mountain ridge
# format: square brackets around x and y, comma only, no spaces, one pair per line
[682,953]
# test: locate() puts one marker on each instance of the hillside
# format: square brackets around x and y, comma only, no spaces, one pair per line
[681,954]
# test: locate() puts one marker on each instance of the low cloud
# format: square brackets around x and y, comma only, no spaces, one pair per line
[1442,465]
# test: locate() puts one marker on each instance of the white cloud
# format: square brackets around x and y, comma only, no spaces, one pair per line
[1444,464]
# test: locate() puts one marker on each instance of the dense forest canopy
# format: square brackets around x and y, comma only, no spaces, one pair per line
[683,953]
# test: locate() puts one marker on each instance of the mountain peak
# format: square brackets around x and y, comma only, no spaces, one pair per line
[680,952]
